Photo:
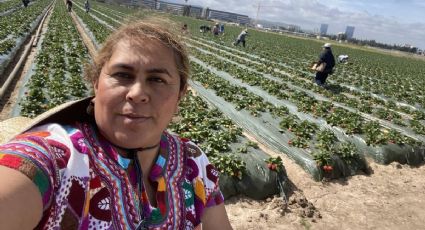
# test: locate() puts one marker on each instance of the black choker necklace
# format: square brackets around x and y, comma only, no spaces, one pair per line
[132,152]
[146,148]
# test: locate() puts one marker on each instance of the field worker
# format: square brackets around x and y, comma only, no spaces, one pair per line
[216,29]
[69,5]
[343,58]
[87,6]
[327,58]
[107,162]
[184,29]
[222,29]
[25,2]
[241,38]
[204,28]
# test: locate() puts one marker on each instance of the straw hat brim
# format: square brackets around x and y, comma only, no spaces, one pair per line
[63,114]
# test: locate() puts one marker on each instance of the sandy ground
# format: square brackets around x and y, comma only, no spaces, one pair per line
[391,197]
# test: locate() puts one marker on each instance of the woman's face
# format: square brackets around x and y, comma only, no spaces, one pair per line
[137,94]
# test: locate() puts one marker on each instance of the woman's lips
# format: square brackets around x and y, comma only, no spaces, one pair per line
[134,118]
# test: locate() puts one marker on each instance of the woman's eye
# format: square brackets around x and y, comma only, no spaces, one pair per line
[157,80]
[122,75]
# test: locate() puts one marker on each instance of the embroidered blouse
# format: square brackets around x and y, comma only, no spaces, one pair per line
[86,184]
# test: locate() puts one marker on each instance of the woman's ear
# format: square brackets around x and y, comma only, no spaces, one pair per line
[176,110]
[182,93]
[95,84]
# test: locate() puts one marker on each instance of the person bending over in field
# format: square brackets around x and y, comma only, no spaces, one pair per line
[69,5]
[241,38]
[87,6]
[25,2]
[327,60]
[107,162]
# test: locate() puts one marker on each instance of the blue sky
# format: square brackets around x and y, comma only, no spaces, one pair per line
[387,21]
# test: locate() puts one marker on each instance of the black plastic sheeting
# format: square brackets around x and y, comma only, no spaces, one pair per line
[258,182]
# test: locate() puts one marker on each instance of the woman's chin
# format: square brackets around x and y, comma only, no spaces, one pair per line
[133,141]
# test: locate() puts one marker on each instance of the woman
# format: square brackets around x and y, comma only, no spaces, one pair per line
[241,38]
[114,166]
[327,58]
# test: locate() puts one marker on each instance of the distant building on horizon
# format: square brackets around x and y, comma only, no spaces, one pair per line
[323,29]
[349,32]
[226,16]
[186,10]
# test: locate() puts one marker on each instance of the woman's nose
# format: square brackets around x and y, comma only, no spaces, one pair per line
[137,93]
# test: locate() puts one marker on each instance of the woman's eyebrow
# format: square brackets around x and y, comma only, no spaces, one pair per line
[123,66]
[158,70]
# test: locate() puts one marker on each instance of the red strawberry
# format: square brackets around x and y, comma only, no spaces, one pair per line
[269,165]
[327,168]
[274,166]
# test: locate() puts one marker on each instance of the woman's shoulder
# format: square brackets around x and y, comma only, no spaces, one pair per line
[54,128]
[50,131]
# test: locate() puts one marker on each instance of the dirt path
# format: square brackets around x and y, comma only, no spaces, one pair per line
[86,40]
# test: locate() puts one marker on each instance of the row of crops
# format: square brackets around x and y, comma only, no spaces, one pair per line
[265,90]
[16,24]
[56,78]
[393,78]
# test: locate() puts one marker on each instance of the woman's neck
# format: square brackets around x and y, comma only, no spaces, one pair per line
[146,159]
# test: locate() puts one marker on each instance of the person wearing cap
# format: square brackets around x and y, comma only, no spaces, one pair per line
[325,58]
[216,29]
[204,28]
[25,2]
[87,6]
[241,38]
[107,162]
[69,5]
[185,29]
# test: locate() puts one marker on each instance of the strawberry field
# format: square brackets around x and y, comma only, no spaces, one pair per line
[373,107]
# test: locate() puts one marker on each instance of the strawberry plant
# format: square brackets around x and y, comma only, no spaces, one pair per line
[325,139]
[419,115]
[288,122]
[417,127]
[373,132]
[322,158]
[229,164]
[394,137]
[304,129]
[299,142]
[275,164]
[252,144]
[243,149]
[347,152]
